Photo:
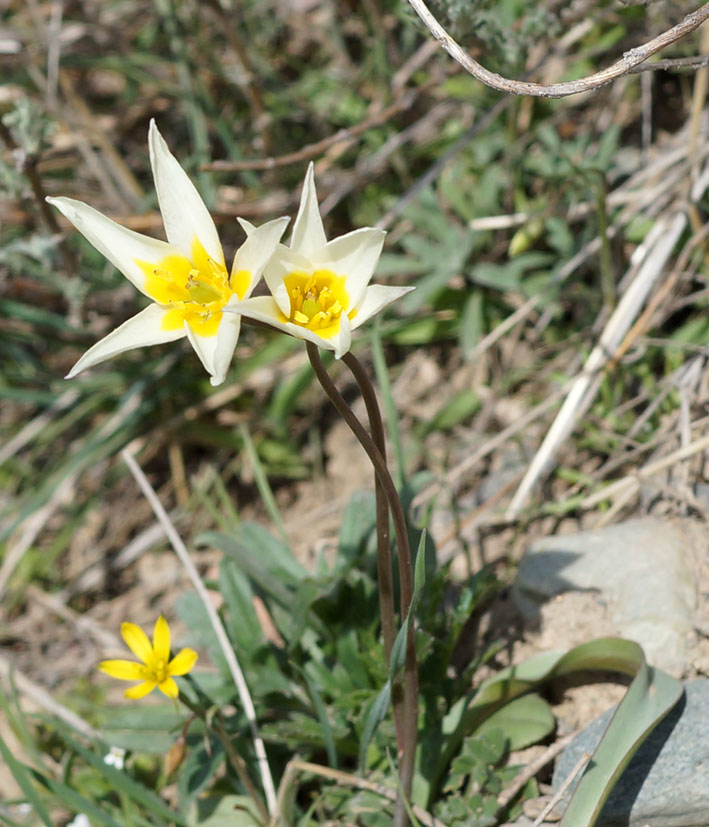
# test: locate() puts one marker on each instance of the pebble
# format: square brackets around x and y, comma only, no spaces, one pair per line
[640,573]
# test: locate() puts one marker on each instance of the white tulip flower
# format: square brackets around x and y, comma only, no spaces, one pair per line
[186,277]
[320,289]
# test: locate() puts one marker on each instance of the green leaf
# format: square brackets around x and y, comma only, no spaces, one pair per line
[649,698]
[243,625]
[357,524]
[77,802]
[225,811]
[321,712]
[204,758]
[605,654]
[22,775]
[398,650]
[375,714]
[123,783]
[461,407]
[523,721]
[471,323]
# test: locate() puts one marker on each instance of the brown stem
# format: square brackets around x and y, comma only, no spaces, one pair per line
[384,574]
[406,765]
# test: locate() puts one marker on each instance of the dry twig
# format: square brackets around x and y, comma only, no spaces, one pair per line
[630,60]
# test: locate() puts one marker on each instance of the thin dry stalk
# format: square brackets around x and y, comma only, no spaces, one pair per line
[631,59]
[583,390]
[510,792]
[221,635]
[580,764]
[632,481]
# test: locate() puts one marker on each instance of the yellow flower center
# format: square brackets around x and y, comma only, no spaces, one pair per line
[195,291]
[317,300]
[155,669]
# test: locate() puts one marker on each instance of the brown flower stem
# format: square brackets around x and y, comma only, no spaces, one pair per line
[384,574]
[406,764]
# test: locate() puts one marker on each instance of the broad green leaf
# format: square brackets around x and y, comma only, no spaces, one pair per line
[606,654]
[142,728]
[649,698]
[522,722]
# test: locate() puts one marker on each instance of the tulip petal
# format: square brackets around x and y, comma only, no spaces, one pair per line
[121,246]
[342,340]
[353,256]
[216,352]
[376,298]
[308,232]
[255,252]
[169,687]
[123,670]
[161,639]
[183,662]
[137,641]
[282,263]
[140,691]
[264,309]
[145,328]
[246,225]
[183,211]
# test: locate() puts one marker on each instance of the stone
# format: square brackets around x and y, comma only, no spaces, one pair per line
[666,783]
[639,576]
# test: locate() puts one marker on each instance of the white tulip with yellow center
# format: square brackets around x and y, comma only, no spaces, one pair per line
[320,289]
[186,277]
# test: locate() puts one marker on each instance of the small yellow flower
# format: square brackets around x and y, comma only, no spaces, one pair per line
[156,668]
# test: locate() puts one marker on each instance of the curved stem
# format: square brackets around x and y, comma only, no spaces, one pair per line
[406,766]
[384,573]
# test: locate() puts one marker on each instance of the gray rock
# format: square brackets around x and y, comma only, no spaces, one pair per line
[641,573]
[666,783]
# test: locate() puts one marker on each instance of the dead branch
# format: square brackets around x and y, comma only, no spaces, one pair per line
[629,61]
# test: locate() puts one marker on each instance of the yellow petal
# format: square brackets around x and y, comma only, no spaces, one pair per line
[123,670]
[137,641]
[161,639]
[183,661]
[169,687]
[140,691]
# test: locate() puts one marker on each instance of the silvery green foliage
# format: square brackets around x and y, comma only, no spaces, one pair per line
[504,28]
[31,129]
[29,125]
